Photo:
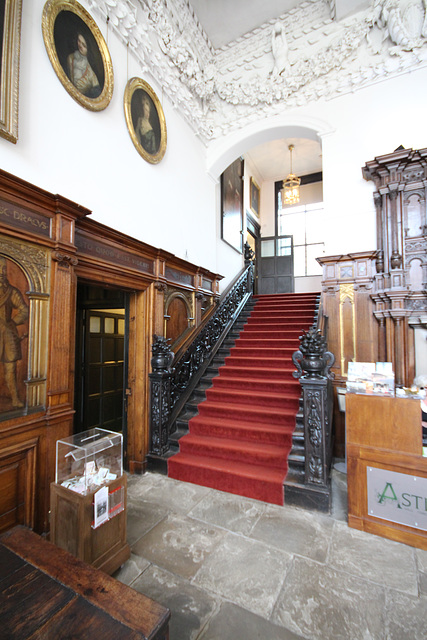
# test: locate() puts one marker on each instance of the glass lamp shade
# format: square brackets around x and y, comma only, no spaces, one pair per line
[290,190]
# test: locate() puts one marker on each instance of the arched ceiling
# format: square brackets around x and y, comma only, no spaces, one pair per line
[272,159]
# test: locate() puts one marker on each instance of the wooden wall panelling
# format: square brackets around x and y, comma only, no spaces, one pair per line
[347,286]
[34,226]
[140,340]
[56,245]
[18,483]
[179,314]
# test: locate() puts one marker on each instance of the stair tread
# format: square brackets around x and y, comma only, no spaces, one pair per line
[229,423]
[231,443]
[250,395]
[264,474]
[227,406]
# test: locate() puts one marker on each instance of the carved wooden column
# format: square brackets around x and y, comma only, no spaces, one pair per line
[401,291]
[380,227]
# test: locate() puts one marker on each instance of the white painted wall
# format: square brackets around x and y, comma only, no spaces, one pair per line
[89,157]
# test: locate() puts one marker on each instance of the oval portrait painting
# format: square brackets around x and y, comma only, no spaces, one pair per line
[78,53]
[145,120]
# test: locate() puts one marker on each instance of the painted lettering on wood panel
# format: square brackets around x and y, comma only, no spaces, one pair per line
[108,253]
[15,216]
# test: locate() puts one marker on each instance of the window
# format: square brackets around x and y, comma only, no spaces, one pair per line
[306,224]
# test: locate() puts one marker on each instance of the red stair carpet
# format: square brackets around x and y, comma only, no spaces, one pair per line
[240,440]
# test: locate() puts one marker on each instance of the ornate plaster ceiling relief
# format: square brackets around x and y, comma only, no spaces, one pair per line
[304,55]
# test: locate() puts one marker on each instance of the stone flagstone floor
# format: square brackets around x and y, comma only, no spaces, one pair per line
[230,568]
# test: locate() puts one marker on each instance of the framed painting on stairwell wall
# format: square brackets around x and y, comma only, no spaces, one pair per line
[78,53]
[10,38]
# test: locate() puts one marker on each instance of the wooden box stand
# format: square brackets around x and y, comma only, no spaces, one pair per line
[71,528]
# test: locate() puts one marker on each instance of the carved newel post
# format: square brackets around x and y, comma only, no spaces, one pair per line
[160,404]
[249,257]
[314,362]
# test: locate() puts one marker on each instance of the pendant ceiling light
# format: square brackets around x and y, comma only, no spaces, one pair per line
[290,190]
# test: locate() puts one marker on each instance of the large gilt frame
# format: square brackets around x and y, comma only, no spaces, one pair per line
[9,70]
[138,85]
[51,11]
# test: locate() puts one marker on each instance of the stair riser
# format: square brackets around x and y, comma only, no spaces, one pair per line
[239,432]
[261,363]
[232,483]
[259,373]
[242,415]
[279,314]
[260,458]
[257,400]
[257,331]
[257,385]
[259,352]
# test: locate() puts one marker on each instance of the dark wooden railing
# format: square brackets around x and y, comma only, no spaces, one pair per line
[173,381]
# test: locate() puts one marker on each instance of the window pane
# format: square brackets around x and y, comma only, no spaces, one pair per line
[314,251]
[267,248]
[314,205]
[121,327]
[284,247]
[315,222]
[293,224]
[95,324]
[109,325]
[299,261]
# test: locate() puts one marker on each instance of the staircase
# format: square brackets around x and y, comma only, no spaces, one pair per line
[241,437]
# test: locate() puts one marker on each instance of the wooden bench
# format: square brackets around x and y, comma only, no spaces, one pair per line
[46,593]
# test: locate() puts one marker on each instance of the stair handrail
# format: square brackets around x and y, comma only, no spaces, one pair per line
[173,381]
[322,321]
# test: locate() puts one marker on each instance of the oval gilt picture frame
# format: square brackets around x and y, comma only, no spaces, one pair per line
[145,120]
[78,53]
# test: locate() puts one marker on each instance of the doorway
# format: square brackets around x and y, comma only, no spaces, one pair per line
[276,265]
[253,236]
[101,360]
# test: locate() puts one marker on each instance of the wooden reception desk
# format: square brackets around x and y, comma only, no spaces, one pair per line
[384,441]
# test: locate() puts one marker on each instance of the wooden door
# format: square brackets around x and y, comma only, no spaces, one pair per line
[253,239]
[276,265]
[101,365]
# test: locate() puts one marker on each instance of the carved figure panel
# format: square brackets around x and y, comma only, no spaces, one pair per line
[14,315]
[24,317]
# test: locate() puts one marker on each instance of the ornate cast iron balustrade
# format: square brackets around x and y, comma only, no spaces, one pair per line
[314,364]
[171,387]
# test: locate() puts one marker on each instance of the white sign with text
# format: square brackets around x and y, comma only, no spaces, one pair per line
[398,497]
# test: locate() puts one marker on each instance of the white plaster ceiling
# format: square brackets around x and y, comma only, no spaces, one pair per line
[272,159]
[226,20]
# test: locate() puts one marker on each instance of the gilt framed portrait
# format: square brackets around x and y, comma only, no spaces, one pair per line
[145,120]
[254,197]
[78,53]
[10,38]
